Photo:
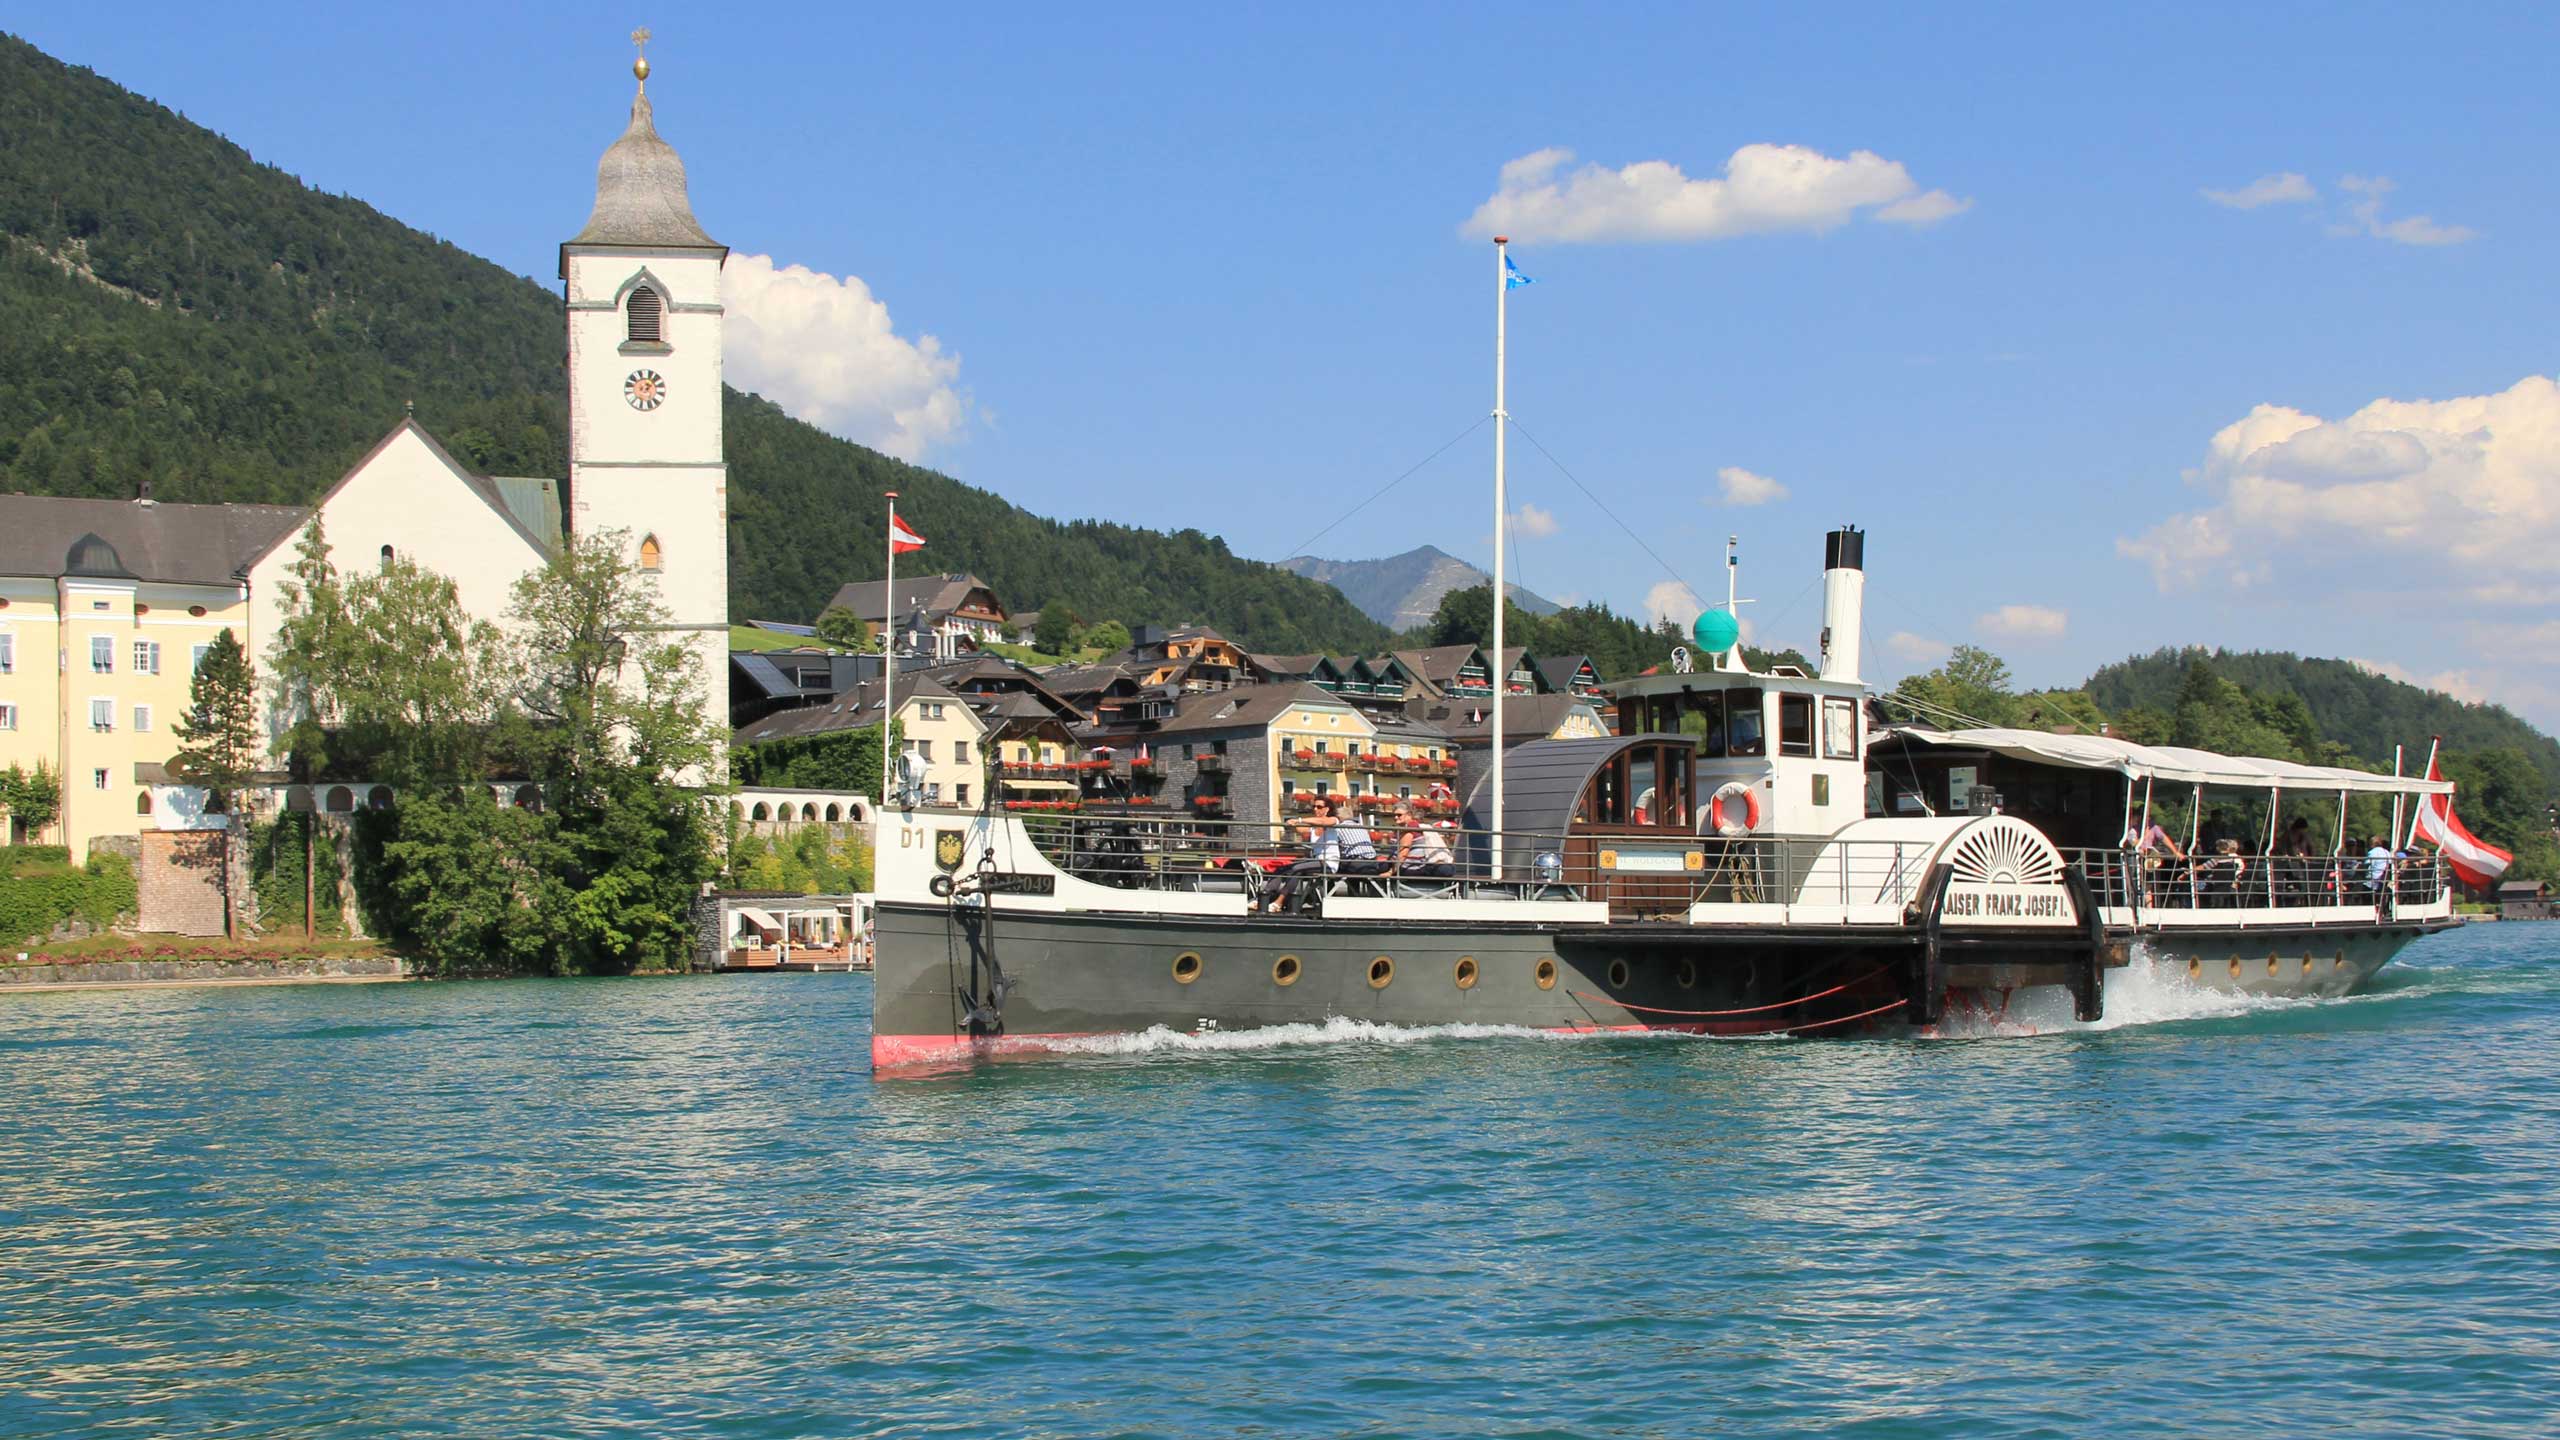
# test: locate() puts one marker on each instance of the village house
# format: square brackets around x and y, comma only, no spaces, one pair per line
[939,615]
[936,725]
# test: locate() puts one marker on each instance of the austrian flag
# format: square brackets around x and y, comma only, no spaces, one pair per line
[2478,862]
[902,539]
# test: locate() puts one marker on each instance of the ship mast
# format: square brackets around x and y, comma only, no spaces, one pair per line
[1500,673]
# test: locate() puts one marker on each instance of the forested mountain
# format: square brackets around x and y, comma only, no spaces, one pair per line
[2354,707]
[172,310]
[1403,591]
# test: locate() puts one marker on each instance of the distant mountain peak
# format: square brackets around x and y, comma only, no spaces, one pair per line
[1403,591]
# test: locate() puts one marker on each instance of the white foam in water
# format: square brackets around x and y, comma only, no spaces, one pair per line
[1336,1030]
[2146,991]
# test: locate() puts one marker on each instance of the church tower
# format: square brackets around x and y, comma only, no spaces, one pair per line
[642,282]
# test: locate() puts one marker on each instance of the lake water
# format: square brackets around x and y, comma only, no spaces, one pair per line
[683,1207]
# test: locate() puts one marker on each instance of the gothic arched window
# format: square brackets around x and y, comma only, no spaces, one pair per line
[650,557]
[645,320]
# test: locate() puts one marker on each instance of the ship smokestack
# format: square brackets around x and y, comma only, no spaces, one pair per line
[1844,601]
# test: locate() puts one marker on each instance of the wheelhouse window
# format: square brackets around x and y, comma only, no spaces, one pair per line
[1795,724]
[645,318]
[1702,715]
[1839,729]
[1743,724]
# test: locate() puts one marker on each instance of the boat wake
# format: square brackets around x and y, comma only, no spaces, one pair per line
[2146,991]
[1336,1030]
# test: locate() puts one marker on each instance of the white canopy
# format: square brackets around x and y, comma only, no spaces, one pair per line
[2174,764]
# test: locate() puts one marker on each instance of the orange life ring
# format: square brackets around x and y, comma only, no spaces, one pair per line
[1723,824]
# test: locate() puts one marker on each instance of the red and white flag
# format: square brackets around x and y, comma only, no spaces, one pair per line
[2478,862]
[902,539]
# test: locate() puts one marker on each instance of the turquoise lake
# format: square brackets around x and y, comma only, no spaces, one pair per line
[683,1208]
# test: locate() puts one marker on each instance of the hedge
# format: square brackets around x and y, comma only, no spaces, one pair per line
[43,894]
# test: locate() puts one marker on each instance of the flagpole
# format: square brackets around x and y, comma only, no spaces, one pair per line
[889,655]
[2434,743]
[1501,524]
[2396,798]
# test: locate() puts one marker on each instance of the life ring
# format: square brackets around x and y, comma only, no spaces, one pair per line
[1724,824]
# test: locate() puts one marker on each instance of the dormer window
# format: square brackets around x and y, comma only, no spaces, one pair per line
[645,319]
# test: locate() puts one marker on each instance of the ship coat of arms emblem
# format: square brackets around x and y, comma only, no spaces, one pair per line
[948,846]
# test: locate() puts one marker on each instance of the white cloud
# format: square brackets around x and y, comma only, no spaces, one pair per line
[2457,683]
[2463,492]
[2024,622]
[2281,189]
[2365,217]
[1918,649]
[1742,487]
[823,350]
[1764,188]
[1673,601]
[1531,523]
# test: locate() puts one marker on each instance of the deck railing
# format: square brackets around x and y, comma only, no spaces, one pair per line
[2125,879]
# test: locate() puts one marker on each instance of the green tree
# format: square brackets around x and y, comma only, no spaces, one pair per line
[839,626]
[1058,629]
[1107,636]
[218,748]
[33,798]
[1972,688]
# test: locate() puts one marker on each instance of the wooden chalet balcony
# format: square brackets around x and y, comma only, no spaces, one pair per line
[1210,764]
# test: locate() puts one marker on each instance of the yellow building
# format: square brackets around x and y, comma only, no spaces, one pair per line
[105,606]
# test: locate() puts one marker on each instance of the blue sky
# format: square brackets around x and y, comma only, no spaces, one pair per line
[1190,268]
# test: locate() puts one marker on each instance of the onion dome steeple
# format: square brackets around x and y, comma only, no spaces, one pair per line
[640,187]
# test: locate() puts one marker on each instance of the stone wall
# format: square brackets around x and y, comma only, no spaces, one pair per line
[179,879]
[197,972]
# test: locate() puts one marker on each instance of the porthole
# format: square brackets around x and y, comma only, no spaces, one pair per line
[1186,966]
[2235,968]
[2271,967]
[1618,974]
[2339,963]
[1382,972]
[1466,972]
[1686,975]
[2195,969]
[1546,974]
[1284,971]
[2306,964]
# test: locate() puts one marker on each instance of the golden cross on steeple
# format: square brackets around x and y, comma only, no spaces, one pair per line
[640,67]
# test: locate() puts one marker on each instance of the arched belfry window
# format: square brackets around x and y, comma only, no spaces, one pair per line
[650,556]
[646,317]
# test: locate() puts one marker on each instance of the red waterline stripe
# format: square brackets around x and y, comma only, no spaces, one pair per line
[1747,1010]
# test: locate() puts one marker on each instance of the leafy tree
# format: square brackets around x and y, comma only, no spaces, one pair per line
[1972,688]
[1059,628]
[840,627]
[467,885]
[1107,636]
[34,798]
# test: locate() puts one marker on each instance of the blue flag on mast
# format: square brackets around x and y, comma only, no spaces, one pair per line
[1512,279]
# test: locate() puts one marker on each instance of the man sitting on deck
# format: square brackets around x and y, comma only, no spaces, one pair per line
[1422,852]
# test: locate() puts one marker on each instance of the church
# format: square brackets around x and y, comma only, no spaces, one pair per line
[126,595]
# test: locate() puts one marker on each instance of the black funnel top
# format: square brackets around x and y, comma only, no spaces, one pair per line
[1845,549]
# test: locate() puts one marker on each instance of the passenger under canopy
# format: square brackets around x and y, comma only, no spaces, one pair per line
[2169,763]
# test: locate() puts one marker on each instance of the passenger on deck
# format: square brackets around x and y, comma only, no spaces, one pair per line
[1341,846]
[2220,877]
[2153,849]
[2377,864]
[1421,852]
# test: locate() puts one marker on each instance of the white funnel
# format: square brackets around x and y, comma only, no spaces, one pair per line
[1844,601]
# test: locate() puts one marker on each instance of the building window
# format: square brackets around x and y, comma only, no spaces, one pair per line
[960,756]
[146,657]
[102,655]
[960,794]
[933,793]
[386,555]
[142,719]
[195,657]
[8,717]
[142,803]
[645,321]
[8,654]
[650,556]
[924,751]
[102,715]
[98,777]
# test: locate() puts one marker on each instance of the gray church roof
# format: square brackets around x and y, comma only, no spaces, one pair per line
[640,192]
